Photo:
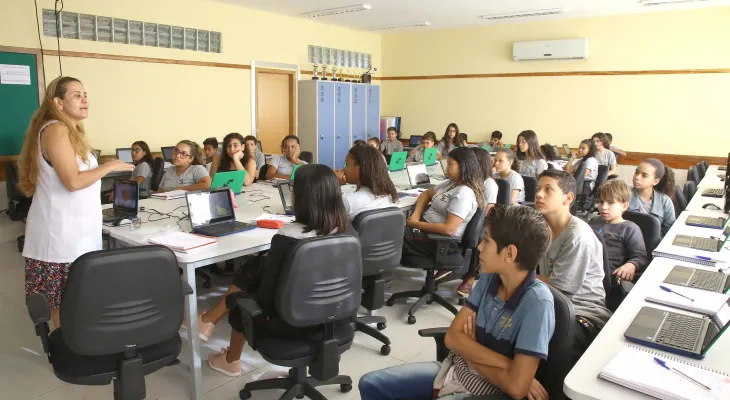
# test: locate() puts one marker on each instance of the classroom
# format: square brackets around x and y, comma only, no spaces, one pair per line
[375,199]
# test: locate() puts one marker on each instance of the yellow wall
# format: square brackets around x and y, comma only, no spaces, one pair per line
[680,114]
[163,103]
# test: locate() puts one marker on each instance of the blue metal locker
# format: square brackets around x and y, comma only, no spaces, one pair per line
[342,123]
[326,124]
[373,112]
[359,103]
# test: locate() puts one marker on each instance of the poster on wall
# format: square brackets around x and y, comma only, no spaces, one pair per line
[14,74]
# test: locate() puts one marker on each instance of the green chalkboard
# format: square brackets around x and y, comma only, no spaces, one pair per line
[17,104]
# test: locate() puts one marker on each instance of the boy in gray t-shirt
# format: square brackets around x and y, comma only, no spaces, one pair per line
[574,262]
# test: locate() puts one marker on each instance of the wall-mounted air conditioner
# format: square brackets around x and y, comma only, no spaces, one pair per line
[568,49]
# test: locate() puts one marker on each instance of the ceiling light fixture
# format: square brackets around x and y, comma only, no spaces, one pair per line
[649,3]
[337,11]
[525,14]
[412,25]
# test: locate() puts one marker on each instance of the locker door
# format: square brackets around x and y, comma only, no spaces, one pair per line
[342,123]
[359,130]
[373,111]
[326,124]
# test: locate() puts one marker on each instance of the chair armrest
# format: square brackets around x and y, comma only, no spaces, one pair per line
[626,286]
[443,238]
[249,310]
[439,335]
[187,290]
[443,245]
[38,308]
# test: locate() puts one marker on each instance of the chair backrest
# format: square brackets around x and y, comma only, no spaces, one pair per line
[701,169]
[693,175]
[306,156]
[690,188]
[705,164]
[602,175]
[650,227]
[606,264]
[530,188]
[552,372]
[381,239]
[504,192]
[158,171]
[580,176]
[473,232]
[319,281]
[143,306]
[680,202]
[262,171]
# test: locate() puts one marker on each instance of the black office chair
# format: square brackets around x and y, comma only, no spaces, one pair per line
[530,190]
[158,171]
[602,176]
[651,230]
[306,156]
[262,172]
[318,287]
[115,332]
[690,188]
[504,192]
[607,277]
[458,260]
[680,202]
[551,372]
[705,164]
[18,203]
[381,240]
[693,175]
[585,198]
[701,169]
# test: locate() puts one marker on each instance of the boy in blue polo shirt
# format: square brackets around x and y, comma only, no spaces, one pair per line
[498,339]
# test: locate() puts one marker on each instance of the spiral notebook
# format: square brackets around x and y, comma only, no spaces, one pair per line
[634,368]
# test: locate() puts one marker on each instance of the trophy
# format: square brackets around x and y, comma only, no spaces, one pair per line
[314,72]
[324,72]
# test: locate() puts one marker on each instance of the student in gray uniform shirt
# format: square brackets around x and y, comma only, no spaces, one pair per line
[506,167]
[391,144]
[142,158]
[451,140]
[574,261]
[528,150]
[250,142]
[653,186]
[604,156]
[427,141]
[187,171]
[586,155]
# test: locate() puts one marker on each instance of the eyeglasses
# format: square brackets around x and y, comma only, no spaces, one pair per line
[136,150]
[179,153]
[523,141]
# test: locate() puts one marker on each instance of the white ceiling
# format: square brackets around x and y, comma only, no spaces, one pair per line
[454,13]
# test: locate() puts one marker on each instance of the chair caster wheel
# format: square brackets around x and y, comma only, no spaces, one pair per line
[301,396]
[244,395]
[411,319]
[345,388]
[385,350]
[461,301]
[381,326]
[390,302]
[207,284]
[429,302]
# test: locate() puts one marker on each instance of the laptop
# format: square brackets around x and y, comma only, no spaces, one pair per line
[211,213]
[706,222]
[167,153]
[126,202]
[711,244]
[415,140]
[398,161]
[682,334]
[487,148]
[294,171]
[125,155]
[418,176]
[716,193]
[556,151]
[285,194]
[567,151]
[232,180]
[696,278]
[429,156]
[444,163]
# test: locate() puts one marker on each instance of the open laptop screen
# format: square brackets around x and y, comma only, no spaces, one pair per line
[126,196]
[415,140]
[417,174]
[167,153]
[125,155]
[210,207]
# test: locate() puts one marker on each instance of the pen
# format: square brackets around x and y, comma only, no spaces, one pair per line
[666,289]
[664,365]
[709,259]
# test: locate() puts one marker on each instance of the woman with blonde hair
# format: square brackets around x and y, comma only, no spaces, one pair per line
[58,169]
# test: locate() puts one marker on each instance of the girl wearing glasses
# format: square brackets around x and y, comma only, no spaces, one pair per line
[528,150]
[187,171]
[142,173]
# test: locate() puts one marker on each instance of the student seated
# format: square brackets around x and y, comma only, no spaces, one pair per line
[391,144]
[506,167]
[587,156]
[604,156]
[495,140]
[653,191]
[550,156]
[186,171]
[251,145]
[142,159]
[282,166]
[318,211]
[624,241]
[235,157]
[451,140]
[210,149]
[427,141]
[446,208]
[573,263]
[613,148]
[528,151]
[372,142]
[499,338]
[365,169]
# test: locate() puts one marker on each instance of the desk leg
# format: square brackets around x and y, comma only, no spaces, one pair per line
[191,303]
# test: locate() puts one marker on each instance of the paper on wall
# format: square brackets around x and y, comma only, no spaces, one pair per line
[14,74]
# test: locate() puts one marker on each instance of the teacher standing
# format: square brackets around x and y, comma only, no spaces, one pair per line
[59,170]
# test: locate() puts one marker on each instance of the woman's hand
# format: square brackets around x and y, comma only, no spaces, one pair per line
[118,166]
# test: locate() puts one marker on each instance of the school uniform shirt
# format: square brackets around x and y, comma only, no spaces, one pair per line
[443,150]
[363,200]
[260,160]
[171,180]
[490,191]
[660,206]
[452,199]
[515,183]
[592,164]
[533,168]
[144,170]
[389,147]
[283,165]
[608,158]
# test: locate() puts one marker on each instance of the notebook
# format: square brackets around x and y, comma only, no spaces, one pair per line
[173,194]
[183,242]
[634,367]
[705,302]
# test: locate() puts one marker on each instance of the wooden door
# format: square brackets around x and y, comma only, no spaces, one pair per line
[274,107]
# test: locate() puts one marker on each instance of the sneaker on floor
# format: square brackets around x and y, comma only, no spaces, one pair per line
[205,329]
[219,363]
[442,274]
[465,288]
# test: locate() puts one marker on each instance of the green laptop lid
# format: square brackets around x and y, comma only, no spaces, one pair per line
[429,156]
[397,161]
[487,148]
[294,171]
[232,179]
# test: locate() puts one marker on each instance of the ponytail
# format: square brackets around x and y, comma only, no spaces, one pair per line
[665,175]
[511,156]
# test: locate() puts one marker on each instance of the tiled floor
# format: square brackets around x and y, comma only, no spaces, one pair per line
[26,374]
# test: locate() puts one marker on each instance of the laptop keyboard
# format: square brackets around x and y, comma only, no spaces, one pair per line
[707,280]
[710,221]
[713,192]
[680,331]
[222,229]
[700,243]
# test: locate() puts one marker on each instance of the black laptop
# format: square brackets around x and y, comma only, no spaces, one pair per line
[415,140]
[125,155]
[211,213]
[167,153]
[706,222]
[126,202]
[285,194]
[711,244]
[696,278]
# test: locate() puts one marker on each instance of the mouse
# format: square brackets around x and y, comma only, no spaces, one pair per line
[118,222]
[710,205]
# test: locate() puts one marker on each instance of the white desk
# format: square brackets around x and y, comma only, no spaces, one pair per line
[699,200]
[251,204]
[711,179]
